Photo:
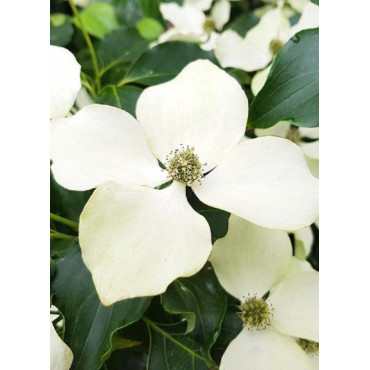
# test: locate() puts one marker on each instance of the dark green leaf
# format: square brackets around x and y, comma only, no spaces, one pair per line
[67,203]
[149,28]
[124,97]
[61,29]
[202,301]
[128,12]
[315,2]
[99,19]
[122,45]
[89,326]
[243,23]
[151,9]
[291,92]
[59,248]
[175,350]
[164,62]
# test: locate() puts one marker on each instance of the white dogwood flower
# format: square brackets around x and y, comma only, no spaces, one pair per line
[65,81]
[61,356]
[251,262]
[136,239]
[189,23]
[261,43]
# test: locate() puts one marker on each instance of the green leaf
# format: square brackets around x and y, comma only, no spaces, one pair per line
[121,46]
[291,92]
[99,19]
[164,62]
[59,248]
[151,9]
[243,23]
[315,2]
[67,203]
[128,12]
[124,97]
[173,349]
[149,28]
[89,326]
[203,302]
[61,29]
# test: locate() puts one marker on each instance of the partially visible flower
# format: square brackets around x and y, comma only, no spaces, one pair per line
[136,239]
[83,98]
[61,356]
[261,44]
[65,81]
[251,263]
[189,23]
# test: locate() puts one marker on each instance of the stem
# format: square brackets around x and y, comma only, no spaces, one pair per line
[64,221]
[89,44]
[172,339]
[57,235]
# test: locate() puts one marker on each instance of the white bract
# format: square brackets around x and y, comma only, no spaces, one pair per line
[81,3]
[189,23]
[261,43]
[250,262]
[65,81]
[136,239]
[61,356]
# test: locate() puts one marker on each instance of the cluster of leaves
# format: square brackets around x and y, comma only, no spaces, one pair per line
[192,323]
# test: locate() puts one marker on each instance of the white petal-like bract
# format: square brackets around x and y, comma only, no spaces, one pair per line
[266,181]
[250,259]
[101,143]
[220,13]
[264,350]
[296,305]
[202,107]
[136,240]
[61,356]
[65,81]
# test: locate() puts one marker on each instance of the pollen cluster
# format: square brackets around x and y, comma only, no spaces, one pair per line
[255,313]
[209,25]
[184,166]
[275,46]
[309,346]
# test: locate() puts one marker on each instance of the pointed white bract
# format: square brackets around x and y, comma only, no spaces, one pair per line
[250,262]
[61,356]
[135,239]
[65,81]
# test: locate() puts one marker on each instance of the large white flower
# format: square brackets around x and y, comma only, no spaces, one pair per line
[189,23]
[257,49]
[65,81]
[136,239]
[61,356]
[250,262]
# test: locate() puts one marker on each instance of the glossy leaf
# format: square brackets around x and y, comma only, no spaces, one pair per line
[202,301]
[243,23]
[164,62]
[291,92]
[124,97]
[151,9]
[128,12]
[99,19]
[89,326]
[61,29]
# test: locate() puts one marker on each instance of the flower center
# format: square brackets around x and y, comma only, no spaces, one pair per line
[255,313]
[293,135]
[275,46]
[309,346]
[209,25]
[184,165]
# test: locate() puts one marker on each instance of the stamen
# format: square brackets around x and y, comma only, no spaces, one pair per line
[293,135]
[309,346]
[256,313]
[209,25]
[275,46]
[184,166]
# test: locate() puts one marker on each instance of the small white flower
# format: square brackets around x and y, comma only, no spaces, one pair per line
[189,23]
[65,81]
[135,239]
[260,45]
[61,356]
[250,262]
